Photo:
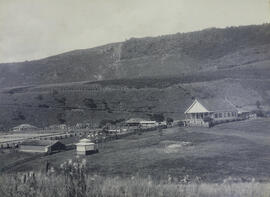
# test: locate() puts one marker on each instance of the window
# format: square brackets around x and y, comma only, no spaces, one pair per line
[220,115]
[216,115]
[229,114]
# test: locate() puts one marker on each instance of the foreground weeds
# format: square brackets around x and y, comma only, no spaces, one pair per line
[41,185]
[70,180]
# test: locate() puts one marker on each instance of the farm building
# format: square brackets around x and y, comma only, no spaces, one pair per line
[41,146]
[57,127]
[86,147]
[244,113]
[148,124]
[24,127]
[206,111]
[134,122]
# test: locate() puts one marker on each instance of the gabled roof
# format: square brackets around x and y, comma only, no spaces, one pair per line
[25,126]
[134,120]
[210,105]
[39,142]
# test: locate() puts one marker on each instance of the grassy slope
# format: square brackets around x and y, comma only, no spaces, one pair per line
[234,65]
[159,56]
[238,149]
[124,98]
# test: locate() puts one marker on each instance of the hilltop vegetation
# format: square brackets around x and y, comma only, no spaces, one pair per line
[147,57]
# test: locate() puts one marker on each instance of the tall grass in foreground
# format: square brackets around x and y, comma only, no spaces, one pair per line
[42,185]
[70,180]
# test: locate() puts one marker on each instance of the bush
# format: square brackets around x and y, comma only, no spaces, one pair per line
[156,117]
[169,120]
[260,113]
[88,102]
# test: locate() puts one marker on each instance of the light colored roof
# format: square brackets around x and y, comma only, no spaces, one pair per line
[85,142]
[134,120]
[148,122]
[25,126]
[210,105]
[39,142]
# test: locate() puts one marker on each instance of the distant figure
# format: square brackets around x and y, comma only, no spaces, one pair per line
[160,131]
[47,167]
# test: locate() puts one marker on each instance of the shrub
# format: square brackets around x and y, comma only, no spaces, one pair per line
[157,117]
[88,102]
[39,97]
[169,120]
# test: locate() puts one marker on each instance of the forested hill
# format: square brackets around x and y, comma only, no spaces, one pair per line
[208,50]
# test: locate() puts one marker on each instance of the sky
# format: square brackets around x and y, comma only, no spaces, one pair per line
[33,29]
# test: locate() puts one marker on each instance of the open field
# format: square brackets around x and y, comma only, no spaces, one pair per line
[237,149]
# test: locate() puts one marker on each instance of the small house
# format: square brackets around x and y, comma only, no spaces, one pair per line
[24,127]
[41,146]
[133,122]
[148,124]
[205,112]
[86,147]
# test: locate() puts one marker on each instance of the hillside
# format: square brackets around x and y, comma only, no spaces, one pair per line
[70,103]
[177,54]
[139,77]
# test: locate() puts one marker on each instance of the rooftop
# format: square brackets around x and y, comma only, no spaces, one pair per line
[214,105]
[134,120]
[39,142]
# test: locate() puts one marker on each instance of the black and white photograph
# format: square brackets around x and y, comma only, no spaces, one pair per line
[134,98]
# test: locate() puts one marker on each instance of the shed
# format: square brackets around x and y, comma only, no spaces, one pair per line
[148,124]
[133,122]
[86,147]
[41,146]
[25,127]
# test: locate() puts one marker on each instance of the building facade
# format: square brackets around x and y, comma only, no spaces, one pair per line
[41,146]
[206,112]
[86,147]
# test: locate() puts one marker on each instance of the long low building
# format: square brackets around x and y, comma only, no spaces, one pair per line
[41,146]
[148,124]
[138,122]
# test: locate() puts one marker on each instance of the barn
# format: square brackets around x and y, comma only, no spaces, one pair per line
[41,146]
[204,112]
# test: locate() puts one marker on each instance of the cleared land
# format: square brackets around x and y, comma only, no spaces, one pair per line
[238,149]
